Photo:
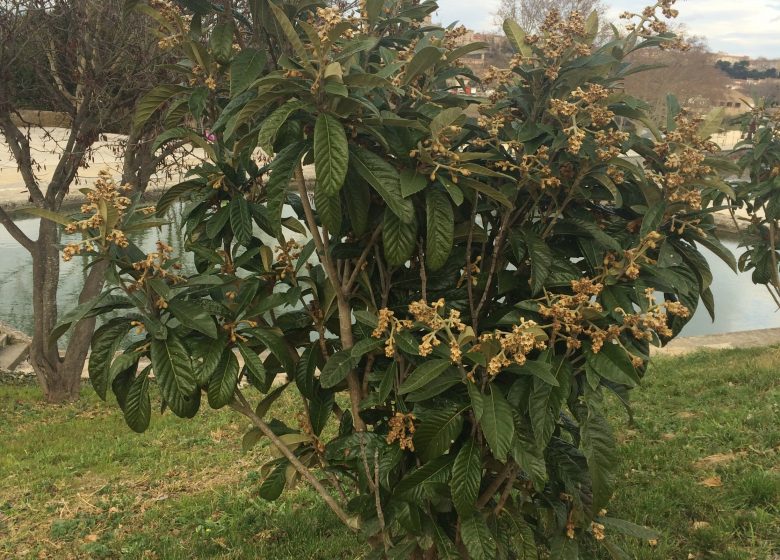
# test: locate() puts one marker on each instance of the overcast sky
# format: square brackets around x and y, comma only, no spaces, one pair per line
[740,27]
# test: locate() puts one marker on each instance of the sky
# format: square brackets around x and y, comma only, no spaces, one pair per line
[737,27]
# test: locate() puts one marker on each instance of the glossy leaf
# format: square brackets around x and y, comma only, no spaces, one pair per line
[477,539]
[424,374]
[497,422]
[193,316]
[331,154]
[173,371]
[466,478]
[437,431]
[222,384]
[337,368]
[385,180]
[440,229]
[398,239]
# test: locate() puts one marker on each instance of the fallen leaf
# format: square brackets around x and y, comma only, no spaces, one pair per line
[717,459]
[668,437]
[91,538]
[700,525]
[685,415]
[712,482]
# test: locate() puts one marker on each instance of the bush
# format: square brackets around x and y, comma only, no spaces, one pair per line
[759,196]
[455,297]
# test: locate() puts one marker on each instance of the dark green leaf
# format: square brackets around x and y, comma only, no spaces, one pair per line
[424,374]
[564,548]
[221,42]
[612,363]
[282,169]
[193,316]
[105,344]
[599,448]
[424,59]
[412,182]
[253,363]
[240,220]
[271,125]
[331,154]
[436,431]
[497,422]
[222,384]
[245,69]
[358,196]
[477,537]
[416,482]
[329,209]
[138,407]
[273,486]
[440,229]
[444,119]
[385,180]
[466,478]
[173,371]
[275,342]
[152,101]
[541,260]
[337,368]
[398,239]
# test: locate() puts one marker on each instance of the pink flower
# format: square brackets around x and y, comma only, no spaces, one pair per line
[209,136]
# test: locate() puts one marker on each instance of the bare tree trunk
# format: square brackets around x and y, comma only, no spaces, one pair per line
[44,356]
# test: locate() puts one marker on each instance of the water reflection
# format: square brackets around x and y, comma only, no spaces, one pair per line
[16,269]
[740,305]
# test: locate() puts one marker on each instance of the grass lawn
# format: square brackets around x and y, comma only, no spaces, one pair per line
[701,465]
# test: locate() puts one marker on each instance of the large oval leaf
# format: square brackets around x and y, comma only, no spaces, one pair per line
[331,154]
[173,371]
[105,343]
[466,478]
[477,538]
[222,384]
[385,180]
[440,229]
[192,315]
[398,239]
[245,69]
[424,374]
[436,432]
[497,422]
[138,407]
[337,368]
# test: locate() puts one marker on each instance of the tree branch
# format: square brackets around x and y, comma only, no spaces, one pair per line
[362,260]
[15,232]
[20,148]
[345,312]
[242,406]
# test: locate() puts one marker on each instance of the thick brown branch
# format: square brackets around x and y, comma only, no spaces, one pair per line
[15,232]
[242,405]
[493,487]
[20,148]
[345,312]
[362,260]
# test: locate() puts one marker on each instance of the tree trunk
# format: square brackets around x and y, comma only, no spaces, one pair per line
[59,376]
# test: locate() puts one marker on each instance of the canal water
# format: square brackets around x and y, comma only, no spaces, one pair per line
[739,304]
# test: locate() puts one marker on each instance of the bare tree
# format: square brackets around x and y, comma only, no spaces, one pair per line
[690,76]
[768,89]
[530,14]
[90,61]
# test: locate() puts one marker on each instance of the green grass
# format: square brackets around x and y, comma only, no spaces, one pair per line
[75,482]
